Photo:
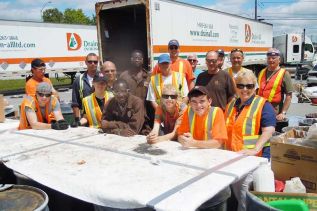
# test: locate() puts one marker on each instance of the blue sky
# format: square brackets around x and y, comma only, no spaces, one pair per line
[286,15]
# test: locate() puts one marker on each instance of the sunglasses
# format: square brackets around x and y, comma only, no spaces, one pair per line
[169,96]
[211,61]
[192,60]
[173,47]
[237,50]
[248,86]
[42,94]
[91,62]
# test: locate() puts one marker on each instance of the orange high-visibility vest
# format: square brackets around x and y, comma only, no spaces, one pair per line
[32,103]
[208,122]
[271,88]
[93,110]
[243,132]
[157,84]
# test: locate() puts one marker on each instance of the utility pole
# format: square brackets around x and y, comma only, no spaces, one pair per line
[303,46]
[256,10]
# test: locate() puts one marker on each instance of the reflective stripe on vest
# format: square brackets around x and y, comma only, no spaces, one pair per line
[208,122]
[93,110]
[230,109]
[272,88]
[157,84]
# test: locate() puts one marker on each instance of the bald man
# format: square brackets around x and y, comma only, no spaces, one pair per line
[110,70]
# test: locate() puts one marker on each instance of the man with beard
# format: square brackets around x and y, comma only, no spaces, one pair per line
[124,114]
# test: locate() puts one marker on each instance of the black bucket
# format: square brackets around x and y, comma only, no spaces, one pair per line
[254,203]
[67,112]
[22,197]
[280,125]
[307,122]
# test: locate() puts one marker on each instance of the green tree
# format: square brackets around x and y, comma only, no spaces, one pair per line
[52,16]
[75,17]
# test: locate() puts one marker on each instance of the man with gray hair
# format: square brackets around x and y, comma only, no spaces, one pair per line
[218,83]
[275,82]
[42,111]
[193,60]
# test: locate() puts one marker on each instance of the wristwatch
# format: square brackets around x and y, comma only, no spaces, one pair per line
[284,112]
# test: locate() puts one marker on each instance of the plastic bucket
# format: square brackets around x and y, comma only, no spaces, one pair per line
[307,122]
[22,197]
[67,112]
[289,205]
[254,203]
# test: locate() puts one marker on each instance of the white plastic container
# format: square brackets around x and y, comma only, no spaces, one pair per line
[263,178]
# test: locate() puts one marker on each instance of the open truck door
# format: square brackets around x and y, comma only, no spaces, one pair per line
[123,26]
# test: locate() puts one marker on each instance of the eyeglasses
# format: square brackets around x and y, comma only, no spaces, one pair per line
[91,62]
[42,94]
[236,50]
[248,86]
[192,60]
[40,68]
[211,61]
[109,71]
[169,96]
[173,47]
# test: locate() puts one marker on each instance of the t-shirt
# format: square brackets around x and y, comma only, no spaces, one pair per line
[166,80]
[196,73]
[220,87]
[167,120]
[187,69]
[218,131]
[101,103]
[31,84]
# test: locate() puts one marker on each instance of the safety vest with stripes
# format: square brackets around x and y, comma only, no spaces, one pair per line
[92,109]
[209,121]
[157,84]
[31,102]
[271,88]
[243,131]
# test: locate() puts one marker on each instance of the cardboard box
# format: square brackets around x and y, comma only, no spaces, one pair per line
[2,116]
[290,160]
[309,198]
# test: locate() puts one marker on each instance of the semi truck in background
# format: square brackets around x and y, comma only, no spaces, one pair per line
[62,46]
[148,25]
[294,49]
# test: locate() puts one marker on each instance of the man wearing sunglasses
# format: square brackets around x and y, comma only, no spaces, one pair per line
[82,86]
[124,114]
[274,83]
[178,64]
[219,84]
[193,60]
[42,111]
[38,68]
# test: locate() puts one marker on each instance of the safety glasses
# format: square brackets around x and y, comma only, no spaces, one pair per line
[169,96]
[192,60]
[173,47]
[237,50]
[211,61]
[42,94]
[248,86]
[92,62]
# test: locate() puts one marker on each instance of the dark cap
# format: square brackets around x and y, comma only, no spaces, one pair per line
[173,42]
[221,52]
[38,63]
[100,77]
[198,89]
[164,58]
[273,52]
[44,88]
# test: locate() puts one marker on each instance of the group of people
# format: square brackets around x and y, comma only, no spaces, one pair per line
[228,108]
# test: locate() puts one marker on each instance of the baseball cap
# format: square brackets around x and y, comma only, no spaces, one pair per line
[273,52]
[164,58]
[44,88]
[100,77]
[221,52]
[37,63]
[199,89]
[173,42]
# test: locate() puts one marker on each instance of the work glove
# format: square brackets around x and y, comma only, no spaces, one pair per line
[59,125]
[76,122]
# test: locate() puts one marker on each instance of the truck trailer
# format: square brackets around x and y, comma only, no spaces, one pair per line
[62,46]
[148,25]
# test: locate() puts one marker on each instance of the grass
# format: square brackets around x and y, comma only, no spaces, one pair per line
[16,84]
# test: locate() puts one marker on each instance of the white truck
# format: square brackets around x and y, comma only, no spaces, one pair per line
[291,47]
[148,25]
[62,46]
